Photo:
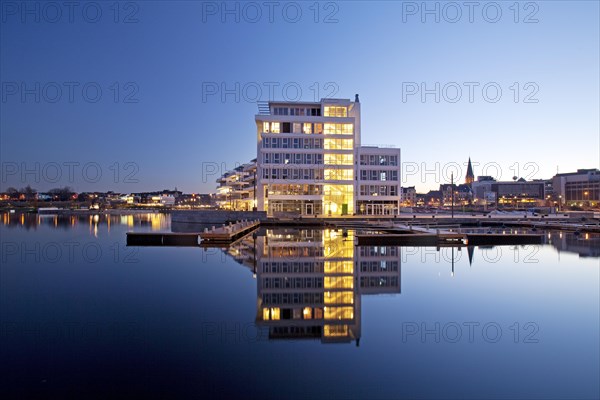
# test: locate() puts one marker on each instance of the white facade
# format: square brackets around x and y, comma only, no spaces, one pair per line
[378,181]
[307,158]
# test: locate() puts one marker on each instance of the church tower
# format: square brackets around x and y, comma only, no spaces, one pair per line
[470,177]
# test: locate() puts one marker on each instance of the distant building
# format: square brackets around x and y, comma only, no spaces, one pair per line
[408,196]
[470,177]
[577,188]
[519,193]
[462,194]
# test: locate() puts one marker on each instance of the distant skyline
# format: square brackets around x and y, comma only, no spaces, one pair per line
[165,96]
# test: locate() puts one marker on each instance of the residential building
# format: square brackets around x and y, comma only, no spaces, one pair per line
[307,157]
[237,187]
[378,180]
[408,196]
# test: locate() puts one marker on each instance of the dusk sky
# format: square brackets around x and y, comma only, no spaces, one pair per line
[158,122]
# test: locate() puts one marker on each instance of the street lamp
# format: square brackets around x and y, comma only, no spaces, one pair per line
[559,201]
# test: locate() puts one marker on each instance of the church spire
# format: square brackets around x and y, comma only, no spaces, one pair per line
[470,177]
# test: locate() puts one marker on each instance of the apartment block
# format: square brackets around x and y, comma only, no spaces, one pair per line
[308,161]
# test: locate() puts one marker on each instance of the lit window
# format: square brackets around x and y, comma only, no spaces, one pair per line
[275,127]
[275,313]
[336,330]
[331,111]
[307,128]
[266,127]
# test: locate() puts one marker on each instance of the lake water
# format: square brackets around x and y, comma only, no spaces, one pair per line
[289,313]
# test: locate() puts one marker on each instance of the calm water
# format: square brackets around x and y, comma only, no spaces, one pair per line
[292,313]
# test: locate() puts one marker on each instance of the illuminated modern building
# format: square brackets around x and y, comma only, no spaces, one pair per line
[236,188]
[307,161]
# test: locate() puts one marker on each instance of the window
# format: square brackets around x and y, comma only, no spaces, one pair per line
[266,127]
[338,129]
[286,127]
[275,127]
[319,128]
[334,111]
[339,159]
[339,144]
[307,128]
[297,127]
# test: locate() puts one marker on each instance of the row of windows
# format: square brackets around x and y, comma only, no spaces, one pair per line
[337,174]
[287,190]
[292,298]
[379,266]
[378,281]
[293,173]
[296,283]
[374,159]
[582,191]
[339,159]
[293,127]
[292,267]
[286,158]
[293,252]
[282,235]
[292,143]
[339,129]
[375,175]
[336,111]
[339,144]
[312,111]
[375,251]
[378,190]
[308,128]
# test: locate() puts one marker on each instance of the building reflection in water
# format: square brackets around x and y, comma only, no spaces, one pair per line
[310,281]
[584,244]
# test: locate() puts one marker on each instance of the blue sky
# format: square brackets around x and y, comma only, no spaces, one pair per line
[157,124]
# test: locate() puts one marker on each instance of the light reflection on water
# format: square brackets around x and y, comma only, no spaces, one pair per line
[142,221]
[285,306]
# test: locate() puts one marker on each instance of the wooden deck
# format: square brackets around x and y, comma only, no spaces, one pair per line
[223,235]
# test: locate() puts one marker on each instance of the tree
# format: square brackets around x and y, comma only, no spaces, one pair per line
[63,194]
[29,192]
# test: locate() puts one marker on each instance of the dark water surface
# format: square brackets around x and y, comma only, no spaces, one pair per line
[291,314]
